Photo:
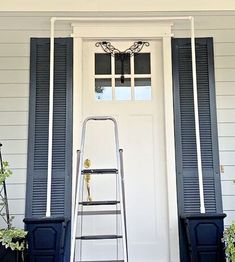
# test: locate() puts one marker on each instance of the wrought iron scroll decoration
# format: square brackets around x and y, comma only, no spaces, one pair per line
[122,55]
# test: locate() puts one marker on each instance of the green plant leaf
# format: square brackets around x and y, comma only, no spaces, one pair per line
[13,238]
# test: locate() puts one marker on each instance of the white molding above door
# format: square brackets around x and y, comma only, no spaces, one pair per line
[122,29]
[133,30]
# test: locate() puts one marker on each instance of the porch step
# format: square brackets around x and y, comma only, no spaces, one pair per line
[99,213]
[99,237]
[99,203]
[101,261]
[100,171]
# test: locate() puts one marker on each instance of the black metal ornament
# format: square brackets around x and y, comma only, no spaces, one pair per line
[122,55]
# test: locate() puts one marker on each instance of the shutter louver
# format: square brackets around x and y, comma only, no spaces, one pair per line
[41,108]
[186,155]
[38,128]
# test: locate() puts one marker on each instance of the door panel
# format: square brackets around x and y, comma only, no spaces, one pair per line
[141,130]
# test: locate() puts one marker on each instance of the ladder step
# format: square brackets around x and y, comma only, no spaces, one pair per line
[100,171]
[99,237]
[99,203]
[101,212]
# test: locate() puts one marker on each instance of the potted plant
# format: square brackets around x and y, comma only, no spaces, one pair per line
[13,244]
[12,240]
[229,241]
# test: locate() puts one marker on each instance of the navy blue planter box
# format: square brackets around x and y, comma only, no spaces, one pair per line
[46,239]
[8,255]
[204,233]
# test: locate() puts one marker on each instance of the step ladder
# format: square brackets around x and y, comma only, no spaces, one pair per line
[80,203]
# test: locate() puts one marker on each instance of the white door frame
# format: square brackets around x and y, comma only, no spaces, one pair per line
[139,30]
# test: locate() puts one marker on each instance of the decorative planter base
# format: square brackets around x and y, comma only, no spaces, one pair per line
[204,233]
[46,238]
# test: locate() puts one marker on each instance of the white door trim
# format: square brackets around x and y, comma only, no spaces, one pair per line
[132,30]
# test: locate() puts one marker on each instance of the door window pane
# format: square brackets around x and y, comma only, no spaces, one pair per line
[143,89]
[102,64]
[103,89]
[118,64]
[142,63]
[123,90]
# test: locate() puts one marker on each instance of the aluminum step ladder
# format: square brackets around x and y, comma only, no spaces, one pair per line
[80,203]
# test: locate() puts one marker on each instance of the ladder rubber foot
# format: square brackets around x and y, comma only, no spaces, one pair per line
[99,203]
[99,213]
[100,171]
[99,237]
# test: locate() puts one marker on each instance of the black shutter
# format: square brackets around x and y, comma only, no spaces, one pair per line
[186,154]
[38,128]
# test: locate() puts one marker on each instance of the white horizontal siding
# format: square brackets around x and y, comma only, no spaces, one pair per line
[225,74]
[228,188]
[16,191]
[14,76]
[9,104]
[18,176]
[227,158]
[225,88]
[16,29]
[229,173]
[227,143]
[39,23]
[226,115]
[224,49]
[14,90]
[225,101]
[228,202]
[230,218]
[23,37]
[13,118]
[225,61]
[15,146]
[17,161]
[14,50]
[17,221]
[219,36]
[14,63]
[9,133]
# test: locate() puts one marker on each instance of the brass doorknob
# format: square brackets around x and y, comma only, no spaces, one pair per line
[87,178]
[87,163]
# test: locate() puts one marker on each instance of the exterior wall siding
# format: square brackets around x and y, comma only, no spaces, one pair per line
[16,30]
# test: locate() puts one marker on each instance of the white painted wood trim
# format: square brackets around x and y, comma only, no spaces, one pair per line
[145,30]
[170,151]
[77,109]
[82,32]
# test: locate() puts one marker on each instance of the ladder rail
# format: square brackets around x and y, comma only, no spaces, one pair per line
[124,198]
[74,217]
[77,171]
[121,184]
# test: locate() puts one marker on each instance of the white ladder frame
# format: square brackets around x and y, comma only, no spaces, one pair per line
[79,185]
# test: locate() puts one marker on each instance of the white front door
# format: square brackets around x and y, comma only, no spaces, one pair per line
[138,106]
